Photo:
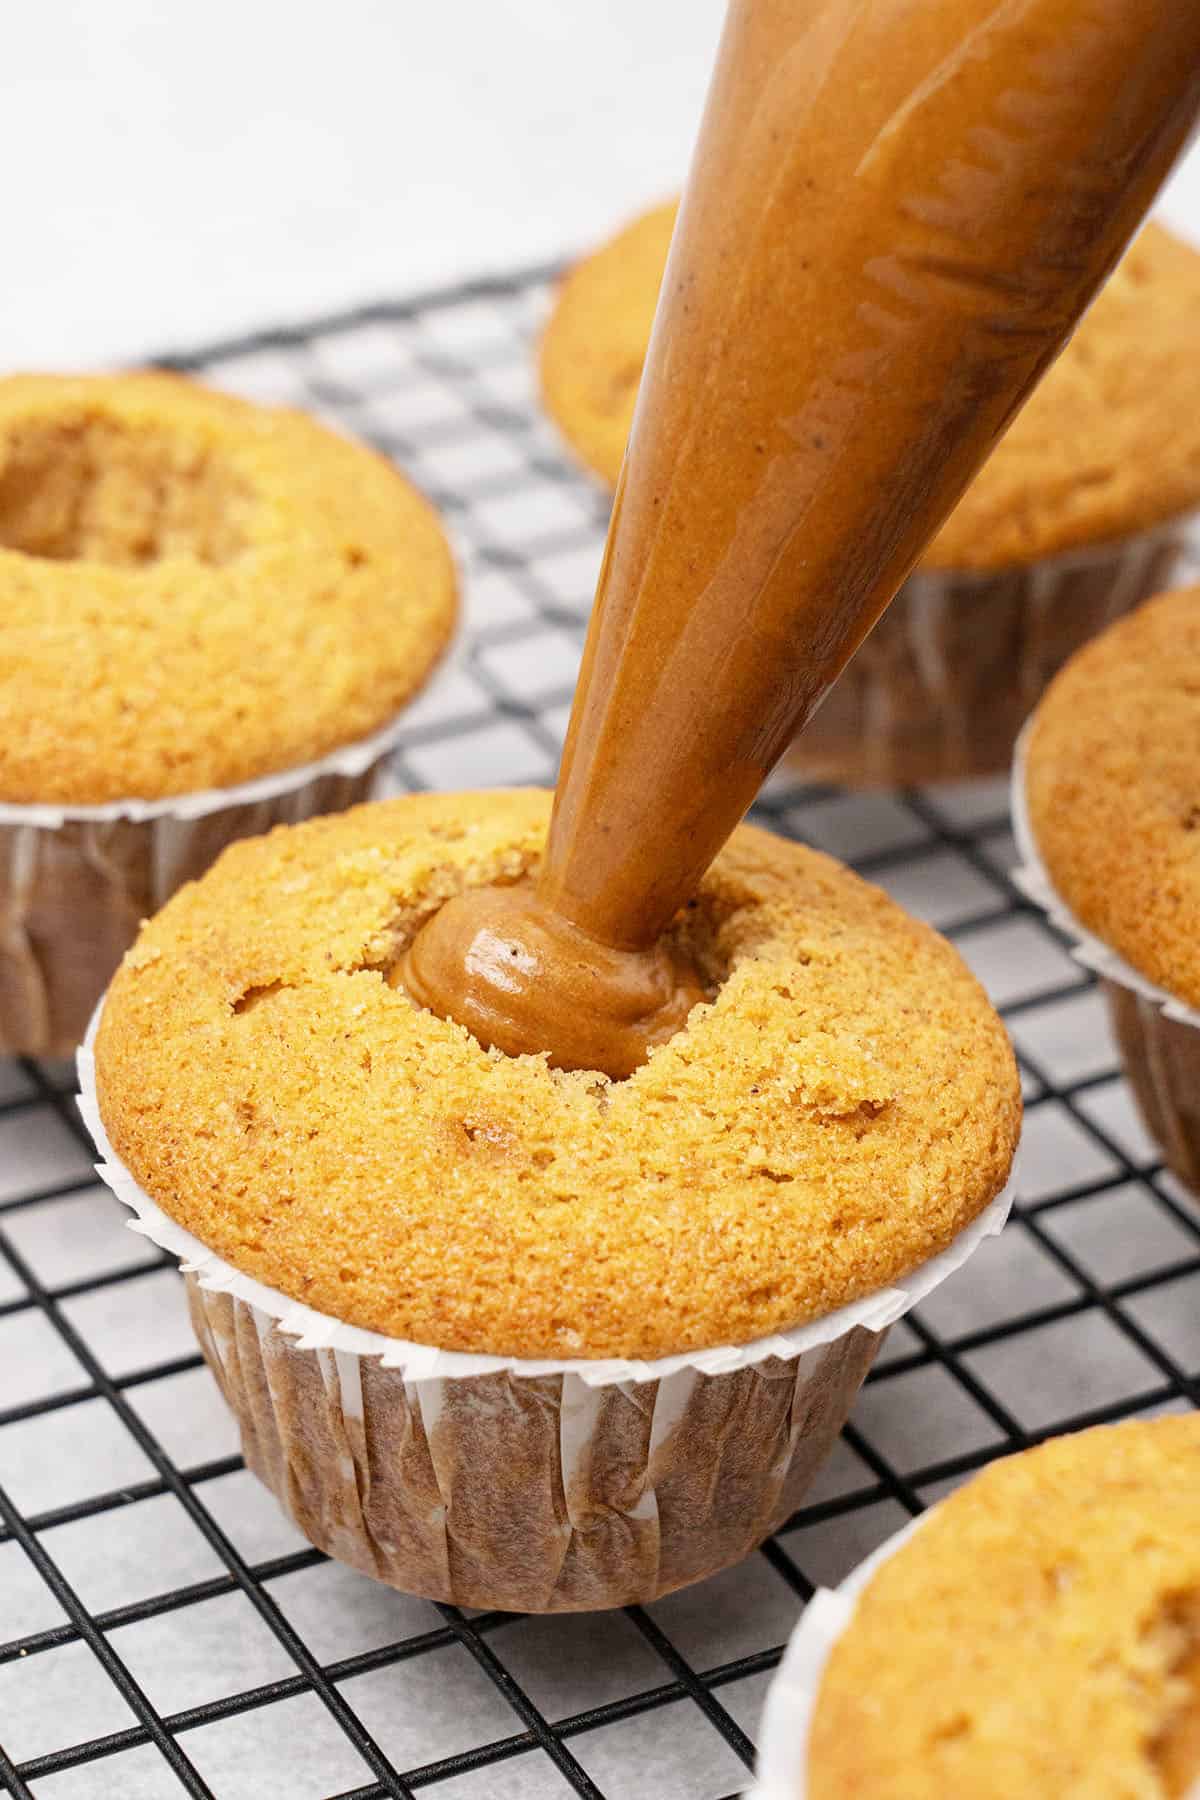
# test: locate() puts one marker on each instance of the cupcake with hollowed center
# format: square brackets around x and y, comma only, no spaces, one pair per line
[836,1113]
[206,607]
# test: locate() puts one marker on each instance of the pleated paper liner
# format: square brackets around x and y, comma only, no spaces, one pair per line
[940,689]
[76,882]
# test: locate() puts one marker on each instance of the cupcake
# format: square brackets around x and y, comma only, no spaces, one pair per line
[1038,1635]
[1107,803]
[210,616]
[509,1336]
[1078,515]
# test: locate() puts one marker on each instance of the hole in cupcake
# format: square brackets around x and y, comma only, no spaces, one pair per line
[247,1001]
[92,489]
[1175,1748]
[762,1296]
[1191,818]
[490,1136]
[951,1729]
[696,936]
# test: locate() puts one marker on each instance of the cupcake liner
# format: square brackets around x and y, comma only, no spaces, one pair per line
[1158,1034]
[76,882]
[527,1493]
[782,1771]
[1161,1055]
[942,685]
[527,1484]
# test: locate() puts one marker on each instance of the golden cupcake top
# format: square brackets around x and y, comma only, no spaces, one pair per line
[1112,783]
[1038,1636]
[842,1107]
[1108,445]
[195,591]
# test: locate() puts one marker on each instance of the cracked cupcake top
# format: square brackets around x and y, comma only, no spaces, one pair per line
[1108,445]
[843,1106]
[1112,783]
[1047,1618]
[195,591]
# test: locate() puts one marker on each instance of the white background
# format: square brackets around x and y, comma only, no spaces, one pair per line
[175,171]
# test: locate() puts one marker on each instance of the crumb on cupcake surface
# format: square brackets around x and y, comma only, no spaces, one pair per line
[844,1106]
[1108,445]
[195,591]
[1112,783]
[1038,1636]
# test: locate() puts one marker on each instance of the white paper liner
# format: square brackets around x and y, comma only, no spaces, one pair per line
[76,881]
[782,1772]
[1034,881]
[421,1362]
[349,760]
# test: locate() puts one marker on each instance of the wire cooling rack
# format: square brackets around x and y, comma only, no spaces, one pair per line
[163,1629]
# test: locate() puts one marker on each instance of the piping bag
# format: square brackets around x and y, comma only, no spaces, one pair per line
[896,213]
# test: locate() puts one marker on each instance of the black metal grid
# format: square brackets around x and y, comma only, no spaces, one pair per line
[1085,1311]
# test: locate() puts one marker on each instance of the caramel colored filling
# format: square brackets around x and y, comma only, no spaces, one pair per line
[526,978]
[91,489]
